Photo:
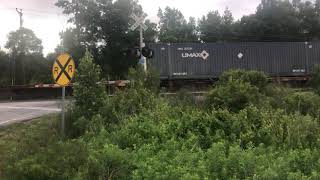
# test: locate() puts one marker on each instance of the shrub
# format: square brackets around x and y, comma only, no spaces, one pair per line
[127,103]
[89,95]
[170,160]
[140,95]
[304,103]
[276,96]
[255,78]
[105,160]
[140,78]
[315,78]
[59,160]
[250,133]
[233,95]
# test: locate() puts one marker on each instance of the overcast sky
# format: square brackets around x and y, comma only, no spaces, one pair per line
[47,21]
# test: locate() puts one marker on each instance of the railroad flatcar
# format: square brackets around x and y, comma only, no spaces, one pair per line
[200,61]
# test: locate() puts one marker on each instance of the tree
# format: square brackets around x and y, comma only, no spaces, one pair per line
[278,20]
[151,34]
[216,28]
[309,18]
[227,26]
[28,64]
[24,41]
[210,27]
[70,44]
[103,27]
[174,28]
[5,74]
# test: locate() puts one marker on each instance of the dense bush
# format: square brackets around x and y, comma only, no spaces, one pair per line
[89,95]
[248,130]
[234,95]
[315,78]
[255,78]
[303,102]
[142,79]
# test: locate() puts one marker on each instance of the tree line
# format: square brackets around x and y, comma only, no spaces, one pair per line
[103,27]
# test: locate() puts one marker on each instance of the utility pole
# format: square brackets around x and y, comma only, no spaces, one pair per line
[142,45]
[21,45]
[19,11]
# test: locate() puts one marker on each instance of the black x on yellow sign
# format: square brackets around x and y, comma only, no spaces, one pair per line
[63,70]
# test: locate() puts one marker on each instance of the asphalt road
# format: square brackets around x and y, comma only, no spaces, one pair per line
[12,112]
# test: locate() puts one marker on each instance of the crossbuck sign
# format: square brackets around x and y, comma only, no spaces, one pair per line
[139,21]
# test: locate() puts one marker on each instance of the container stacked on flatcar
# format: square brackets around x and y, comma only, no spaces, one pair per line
[209,60]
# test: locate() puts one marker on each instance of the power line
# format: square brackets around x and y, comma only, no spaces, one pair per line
[32,11]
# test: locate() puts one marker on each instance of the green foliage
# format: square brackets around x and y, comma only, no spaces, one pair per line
[255,78]
[315,78]
[89,93]
[104,27]
[174,27]
[216,28]
[128,103]
[5,79]
[59,160]
[135,99]
[24,41]
[291,23]
[142,79]
[303,102]
[276,95]
[235,95]
[237,89]
[181,98]
[24,64]
[106,161]
[254,131]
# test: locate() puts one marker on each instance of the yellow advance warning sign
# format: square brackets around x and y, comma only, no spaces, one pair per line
[63,70]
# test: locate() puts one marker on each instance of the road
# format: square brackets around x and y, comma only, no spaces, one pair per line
[12,112]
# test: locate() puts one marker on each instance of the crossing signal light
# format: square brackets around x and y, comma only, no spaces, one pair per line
[147,52]
[133,52]
[136,53]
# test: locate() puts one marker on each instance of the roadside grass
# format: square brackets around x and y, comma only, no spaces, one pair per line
[27,136]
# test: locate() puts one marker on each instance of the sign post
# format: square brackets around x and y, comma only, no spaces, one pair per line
[63,110]
[139,22]
[63,72]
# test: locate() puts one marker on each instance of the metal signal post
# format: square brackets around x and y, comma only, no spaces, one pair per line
[139,22]
[63,110]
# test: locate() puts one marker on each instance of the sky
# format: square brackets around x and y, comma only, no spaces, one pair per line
[47,21]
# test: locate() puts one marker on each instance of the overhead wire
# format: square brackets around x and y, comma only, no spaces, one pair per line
[31,10]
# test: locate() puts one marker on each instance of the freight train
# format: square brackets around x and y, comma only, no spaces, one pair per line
[207,61]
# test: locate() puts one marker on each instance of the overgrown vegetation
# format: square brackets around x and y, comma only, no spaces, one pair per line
[247,128]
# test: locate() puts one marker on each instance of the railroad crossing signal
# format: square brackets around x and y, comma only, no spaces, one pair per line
[139,21]
[63,70]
